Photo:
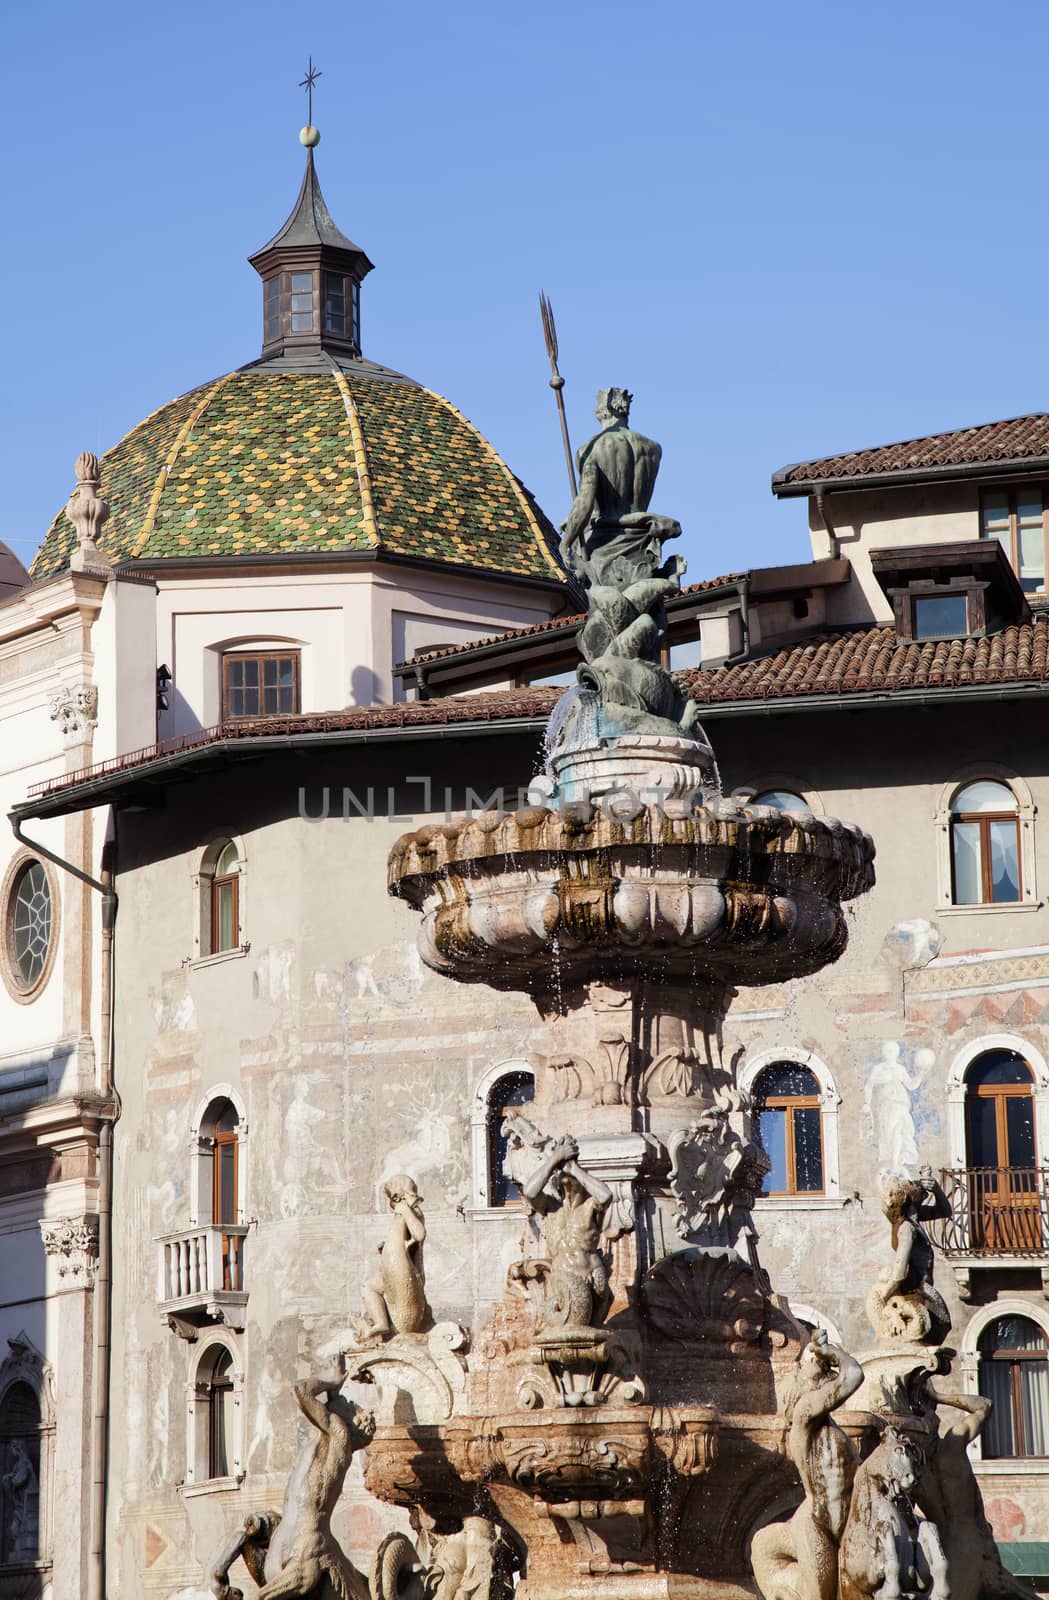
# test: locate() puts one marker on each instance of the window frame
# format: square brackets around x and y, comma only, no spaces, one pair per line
[984,819]
[204,901]
[1013,1359]
[1024,815]
[482,1198]
[17,988]
[200,1390]
[294,655]
[831,1197]
[1011,491]
[789,1104]
[230,880]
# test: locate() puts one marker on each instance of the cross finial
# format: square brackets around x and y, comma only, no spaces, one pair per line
[307,83]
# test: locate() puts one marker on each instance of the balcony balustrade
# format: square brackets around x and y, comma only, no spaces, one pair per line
[201,1277]
[999,1218]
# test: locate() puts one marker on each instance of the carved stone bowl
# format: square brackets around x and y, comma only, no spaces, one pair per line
[536,898]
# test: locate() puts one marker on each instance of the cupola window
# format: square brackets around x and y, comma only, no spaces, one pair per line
[302,302]
[271,308]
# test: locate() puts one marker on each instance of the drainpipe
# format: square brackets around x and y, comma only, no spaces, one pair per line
[96,1578]
[821,507]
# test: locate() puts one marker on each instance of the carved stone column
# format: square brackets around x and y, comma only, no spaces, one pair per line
[71,1248]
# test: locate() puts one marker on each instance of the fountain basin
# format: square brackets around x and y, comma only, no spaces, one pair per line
[506,897]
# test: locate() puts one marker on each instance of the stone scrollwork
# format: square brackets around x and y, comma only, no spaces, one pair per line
[419,1379]
[72,1243]
[74,706]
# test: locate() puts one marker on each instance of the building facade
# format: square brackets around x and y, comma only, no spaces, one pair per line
[323,613]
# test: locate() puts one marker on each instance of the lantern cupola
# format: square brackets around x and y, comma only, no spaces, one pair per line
[311,276]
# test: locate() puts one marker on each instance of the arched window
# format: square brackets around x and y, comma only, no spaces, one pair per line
[225,1188]
[780,800]
[215,1445]
[789,1128]
[1000,1149]
[225,897]
[985,844]
[220,1416]
[21,1530]
[1014,1375]
[512,1089]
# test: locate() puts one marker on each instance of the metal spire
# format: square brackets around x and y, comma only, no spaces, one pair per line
[557,383]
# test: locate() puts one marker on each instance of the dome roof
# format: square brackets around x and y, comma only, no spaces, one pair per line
[13,576]
[313,453]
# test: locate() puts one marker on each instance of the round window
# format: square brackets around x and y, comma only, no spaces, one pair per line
[29,925]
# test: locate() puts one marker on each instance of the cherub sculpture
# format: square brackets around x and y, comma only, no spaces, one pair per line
[572,1204]
[905,1304]
[296,1556]
[798,1560]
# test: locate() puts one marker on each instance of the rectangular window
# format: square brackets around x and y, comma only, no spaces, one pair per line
[271,308]
[301,302]
[942,615]
[263,685]
[355,312]
[1016,518]
[334,303]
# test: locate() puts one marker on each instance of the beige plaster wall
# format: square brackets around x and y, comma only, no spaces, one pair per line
[353,1061]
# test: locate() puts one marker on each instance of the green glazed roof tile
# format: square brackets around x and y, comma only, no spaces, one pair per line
[263,462]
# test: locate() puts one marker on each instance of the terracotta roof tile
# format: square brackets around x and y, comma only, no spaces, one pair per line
[874,659]
[1015,439]
[863,661]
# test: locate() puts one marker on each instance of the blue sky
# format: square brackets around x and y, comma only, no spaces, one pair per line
[789,229]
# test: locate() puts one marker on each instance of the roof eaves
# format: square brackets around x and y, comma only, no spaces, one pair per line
[1009,466]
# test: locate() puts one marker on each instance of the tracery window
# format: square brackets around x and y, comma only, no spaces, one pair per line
[788,1118]
[1014,1375]
[20,1464]
[29,914]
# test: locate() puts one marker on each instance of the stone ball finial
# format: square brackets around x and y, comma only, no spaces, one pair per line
[310,136]
[88,514]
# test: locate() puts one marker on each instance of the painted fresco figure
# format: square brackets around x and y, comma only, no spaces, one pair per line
[798,1560]
[572,1204]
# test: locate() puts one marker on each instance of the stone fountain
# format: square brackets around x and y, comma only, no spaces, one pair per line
[636,1416]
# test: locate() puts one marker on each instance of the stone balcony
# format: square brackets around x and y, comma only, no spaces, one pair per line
[201,1278]
[999,1218]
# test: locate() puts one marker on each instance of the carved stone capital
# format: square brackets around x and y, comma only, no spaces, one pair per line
[73,1244]
[74,707]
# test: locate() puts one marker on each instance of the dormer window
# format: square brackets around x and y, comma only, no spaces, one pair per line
[949,591]
[941,616]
